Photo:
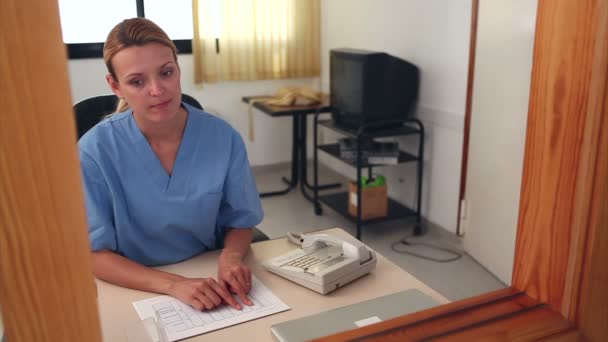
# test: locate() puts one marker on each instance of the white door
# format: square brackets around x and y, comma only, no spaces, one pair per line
[503,65]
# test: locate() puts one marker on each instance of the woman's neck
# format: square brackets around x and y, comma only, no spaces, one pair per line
[163,132]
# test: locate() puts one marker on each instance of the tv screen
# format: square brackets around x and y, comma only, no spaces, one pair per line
[371,88]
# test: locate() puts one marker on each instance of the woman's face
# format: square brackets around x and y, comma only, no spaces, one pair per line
[148,78]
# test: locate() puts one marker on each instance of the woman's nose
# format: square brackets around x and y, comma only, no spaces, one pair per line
[156,88]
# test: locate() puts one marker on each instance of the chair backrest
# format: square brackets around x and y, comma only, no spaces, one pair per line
[191,101]
[90,111]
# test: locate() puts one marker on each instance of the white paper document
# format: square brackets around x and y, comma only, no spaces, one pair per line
[178,320]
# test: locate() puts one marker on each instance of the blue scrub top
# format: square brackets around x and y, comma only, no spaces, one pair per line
[137,210]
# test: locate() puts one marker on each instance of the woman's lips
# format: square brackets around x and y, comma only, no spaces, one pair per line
[162,104]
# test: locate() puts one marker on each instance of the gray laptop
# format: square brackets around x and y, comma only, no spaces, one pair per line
[352,316]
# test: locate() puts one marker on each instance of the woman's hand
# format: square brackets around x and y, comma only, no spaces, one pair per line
[202,293]
[234,275]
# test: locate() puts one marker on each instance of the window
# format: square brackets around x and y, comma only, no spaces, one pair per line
[258,39]
[86,23]
[90,21]
[175,19]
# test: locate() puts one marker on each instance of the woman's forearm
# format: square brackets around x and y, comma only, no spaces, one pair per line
[237,242]
[121,271]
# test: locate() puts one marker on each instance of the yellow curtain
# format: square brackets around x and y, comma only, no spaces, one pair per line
[258,39]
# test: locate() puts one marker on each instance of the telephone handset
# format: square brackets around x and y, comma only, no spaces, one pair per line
[295,96]
[325,262]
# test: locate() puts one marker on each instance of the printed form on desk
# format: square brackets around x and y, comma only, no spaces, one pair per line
[177,320]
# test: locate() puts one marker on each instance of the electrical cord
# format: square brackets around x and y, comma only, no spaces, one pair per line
[405,242]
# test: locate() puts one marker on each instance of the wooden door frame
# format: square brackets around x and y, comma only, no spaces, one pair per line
[467,113]
[562,230]
[47,289]
[563,226]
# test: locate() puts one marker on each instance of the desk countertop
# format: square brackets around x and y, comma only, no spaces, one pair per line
[117,312]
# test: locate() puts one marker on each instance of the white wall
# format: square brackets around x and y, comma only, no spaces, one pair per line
[272,135]
[503,66]
[434,35]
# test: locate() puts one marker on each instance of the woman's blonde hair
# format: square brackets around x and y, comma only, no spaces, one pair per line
[133,32]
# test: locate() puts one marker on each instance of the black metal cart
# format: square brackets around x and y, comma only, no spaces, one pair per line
[339,201]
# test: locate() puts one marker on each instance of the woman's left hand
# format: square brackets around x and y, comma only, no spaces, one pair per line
[234,275]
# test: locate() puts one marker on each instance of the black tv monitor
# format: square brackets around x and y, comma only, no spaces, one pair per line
[371,88]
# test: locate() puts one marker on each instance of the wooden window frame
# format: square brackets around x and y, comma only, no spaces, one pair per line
[558,280]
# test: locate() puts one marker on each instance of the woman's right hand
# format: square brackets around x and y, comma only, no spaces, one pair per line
[201,293]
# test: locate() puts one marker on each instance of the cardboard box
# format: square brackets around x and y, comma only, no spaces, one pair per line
[374,201]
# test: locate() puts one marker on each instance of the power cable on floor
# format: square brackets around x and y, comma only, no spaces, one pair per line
[405,242]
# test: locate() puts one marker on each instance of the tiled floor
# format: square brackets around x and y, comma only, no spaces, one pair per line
[292,212]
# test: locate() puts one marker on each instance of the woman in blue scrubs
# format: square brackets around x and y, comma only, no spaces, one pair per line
[163,180]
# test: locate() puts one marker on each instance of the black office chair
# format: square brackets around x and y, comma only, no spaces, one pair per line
[90,111]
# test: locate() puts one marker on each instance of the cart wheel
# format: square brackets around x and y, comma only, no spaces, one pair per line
[318,210]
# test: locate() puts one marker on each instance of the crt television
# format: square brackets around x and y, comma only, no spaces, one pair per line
[371,88]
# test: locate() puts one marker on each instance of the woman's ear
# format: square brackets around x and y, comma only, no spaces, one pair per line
[114,86]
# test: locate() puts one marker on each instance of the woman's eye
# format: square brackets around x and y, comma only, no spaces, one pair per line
[167,73]
[137,83]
